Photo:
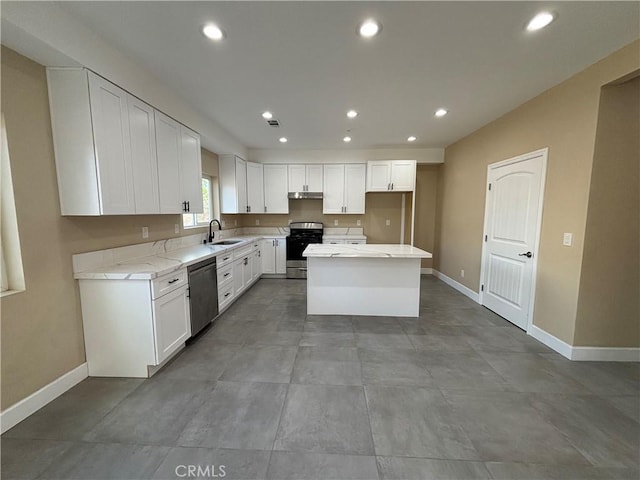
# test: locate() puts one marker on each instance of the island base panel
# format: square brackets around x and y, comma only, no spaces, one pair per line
[363,286]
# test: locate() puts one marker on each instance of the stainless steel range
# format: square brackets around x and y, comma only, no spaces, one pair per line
[301,235]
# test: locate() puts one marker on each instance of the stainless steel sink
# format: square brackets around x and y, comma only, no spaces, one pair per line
[227,242]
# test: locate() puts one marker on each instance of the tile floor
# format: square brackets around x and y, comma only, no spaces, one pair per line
[269,392]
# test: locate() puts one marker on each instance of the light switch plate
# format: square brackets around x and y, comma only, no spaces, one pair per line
[358,222]
[257,221]
[176,228]
[388,222]
[145,232]
[335,223]
[567,239]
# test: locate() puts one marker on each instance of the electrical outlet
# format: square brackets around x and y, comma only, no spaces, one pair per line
[358,222]
[462,273]
[224,223]
[290,221]
[335,223]
[145,232]
[257,221]
[388,222]
[176,228]
[235,223]
[567,239]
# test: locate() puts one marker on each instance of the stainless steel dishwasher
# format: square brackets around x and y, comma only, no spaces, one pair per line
[203,294]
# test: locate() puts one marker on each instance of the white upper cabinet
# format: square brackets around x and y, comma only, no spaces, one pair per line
[110,120]
[276,198]
[233,184]
[179,167]
[305,178]
[169,174]
[191,170]
[143,156]
[255,188]
[113,155]
[391,175]
[344,189]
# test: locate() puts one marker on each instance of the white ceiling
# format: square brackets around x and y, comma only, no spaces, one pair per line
[304,62]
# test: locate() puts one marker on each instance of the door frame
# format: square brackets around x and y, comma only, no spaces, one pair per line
[544,153]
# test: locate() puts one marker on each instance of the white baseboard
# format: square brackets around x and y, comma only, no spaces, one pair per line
[426,271]
[606,354]
[581,354]
[458,286]
[551,341]
[34,402]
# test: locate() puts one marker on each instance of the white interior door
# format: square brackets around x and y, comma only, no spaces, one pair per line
[512,223]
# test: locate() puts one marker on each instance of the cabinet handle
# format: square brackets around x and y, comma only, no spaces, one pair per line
[173,281]
[246,260]
[277,242]
[265,209]
[392,186]
[188,206]
[225,259]
[259,253]
[227,274]
[227,294]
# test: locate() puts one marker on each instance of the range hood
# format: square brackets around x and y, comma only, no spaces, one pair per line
[304,195]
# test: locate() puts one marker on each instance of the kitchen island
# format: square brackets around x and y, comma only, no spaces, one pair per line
[380,280]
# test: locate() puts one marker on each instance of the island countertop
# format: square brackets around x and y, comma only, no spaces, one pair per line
[365,251]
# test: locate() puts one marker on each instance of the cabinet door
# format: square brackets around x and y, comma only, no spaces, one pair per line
[247,270]
[241,185]
[113,146]
[378,176]
[257,264]
[333,193]
[314,178]
[403,175]
[144,160]
[169,172]
[268,255]
[255,188]
[191,168]
[281,255]
[354,187]
[238,277]
[276,191]
[297,178]
[172,322]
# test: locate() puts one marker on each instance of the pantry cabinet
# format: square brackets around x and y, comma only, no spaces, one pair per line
[391,176]
[344,189]
[112,156]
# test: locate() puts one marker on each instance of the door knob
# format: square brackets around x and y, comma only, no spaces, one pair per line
[528,254]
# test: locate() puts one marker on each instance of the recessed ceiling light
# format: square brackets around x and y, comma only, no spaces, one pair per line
[267,115]
[352,114]
[441,112]
[283,139]
[213,32]
[541,20]
[346,139]
[412,139]
[369,28]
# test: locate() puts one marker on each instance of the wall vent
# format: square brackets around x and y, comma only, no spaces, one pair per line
[273,123]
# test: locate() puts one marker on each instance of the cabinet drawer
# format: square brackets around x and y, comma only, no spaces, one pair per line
[243,252]
[168,283]
[225,296]
[224,258]
[225,275]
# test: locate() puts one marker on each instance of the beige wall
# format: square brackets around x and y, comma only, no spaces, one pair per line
[42,327]
[563,119]
[609,300]
[426,196]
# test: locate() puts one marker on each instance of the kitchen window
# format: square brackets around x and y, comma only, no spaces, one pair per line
[12,274]
[209,193]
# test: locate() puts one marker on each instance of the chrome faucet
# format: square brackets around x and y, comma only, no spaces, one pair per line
[211,236]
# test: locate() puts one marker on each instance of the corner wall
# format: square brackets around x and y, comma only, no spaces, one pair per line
[609,300]
[563,118]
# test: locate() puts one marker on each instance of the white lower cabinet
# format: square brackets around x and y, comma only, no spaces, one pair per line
[237,270]
[132,326]
[274,255]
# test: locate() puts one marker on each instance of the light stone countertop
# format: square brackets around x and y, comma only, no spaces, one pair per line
[152,266]
[365,251]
